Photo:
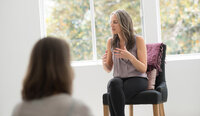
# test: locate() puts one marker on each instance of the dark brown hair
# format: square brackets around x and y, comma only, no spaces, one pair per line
[49,71]
[127,29]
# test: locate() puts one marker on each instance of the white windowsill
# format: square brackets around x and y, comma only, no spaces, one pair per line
[168,58]
[86,63]
[183,57]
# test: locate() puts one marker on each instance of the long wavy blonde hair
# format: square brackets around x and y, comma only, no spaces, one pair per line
[127,29]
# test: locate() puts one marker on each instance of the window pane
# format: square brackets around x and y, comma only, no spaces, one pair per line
[70,20]
[180,23]
[103,9]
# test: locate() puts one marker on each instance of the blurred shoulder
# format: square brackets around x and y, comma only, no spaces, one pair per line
[81,109]
[17,109]
[63,103]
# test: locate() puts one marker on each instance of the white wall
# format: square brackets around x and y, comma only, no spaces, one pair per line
[19,29]
[183,85]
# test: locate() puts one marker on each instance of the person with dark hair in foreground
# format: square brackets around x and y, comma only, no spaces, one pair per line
[47,86]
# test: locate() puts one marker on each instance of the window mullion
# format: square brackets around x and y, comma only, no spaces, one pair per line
[42,19]
[158,21]
[94,48]
[142,19]
[150,20]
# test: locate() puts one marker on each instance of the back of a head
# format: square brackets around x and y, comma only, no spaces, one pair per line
[49,70]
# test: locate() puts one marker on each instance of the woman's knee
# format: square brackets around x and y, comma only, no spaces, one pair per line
[115,82]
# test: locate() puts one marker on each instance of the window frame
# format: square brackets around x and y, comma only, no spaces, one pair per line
[150,35]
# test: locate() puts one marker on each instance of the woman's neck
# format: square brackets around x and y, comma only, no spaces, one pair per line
[121,38]
[122,41]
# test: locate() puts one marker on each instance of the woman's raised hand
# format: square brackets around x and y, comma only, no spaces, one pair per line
[122,53]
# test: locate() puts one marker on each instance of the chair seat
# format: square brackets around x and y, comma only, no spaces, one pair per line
[145,97]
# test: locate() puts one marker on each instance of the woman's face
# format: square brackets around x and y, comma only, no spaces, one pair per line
[114,24]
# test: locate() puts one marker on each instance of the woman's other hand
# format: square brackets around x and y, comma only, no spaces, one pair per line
[104,58]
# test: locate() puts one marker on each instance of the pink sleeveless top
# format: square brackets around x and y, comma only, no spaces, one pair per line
[123,68]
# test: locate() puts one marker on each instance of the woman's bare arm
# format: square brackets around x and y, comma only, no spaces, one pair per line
[140,63]
[107,58]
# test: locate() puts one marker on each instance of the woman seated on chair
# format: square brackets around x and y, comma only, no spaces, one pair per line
[126,53]
[47,86]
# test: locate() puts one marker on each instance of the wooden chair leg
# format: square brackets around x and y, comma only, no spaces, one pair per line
[106,110]
[130,110]
[156,110]
[161,107]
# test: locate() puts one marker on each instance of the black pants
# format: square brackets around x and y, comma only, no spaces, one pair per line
[121,89]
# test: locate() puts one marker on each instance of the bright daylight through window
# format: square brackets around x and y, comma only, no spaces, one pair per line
[180,23]
[71,20]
